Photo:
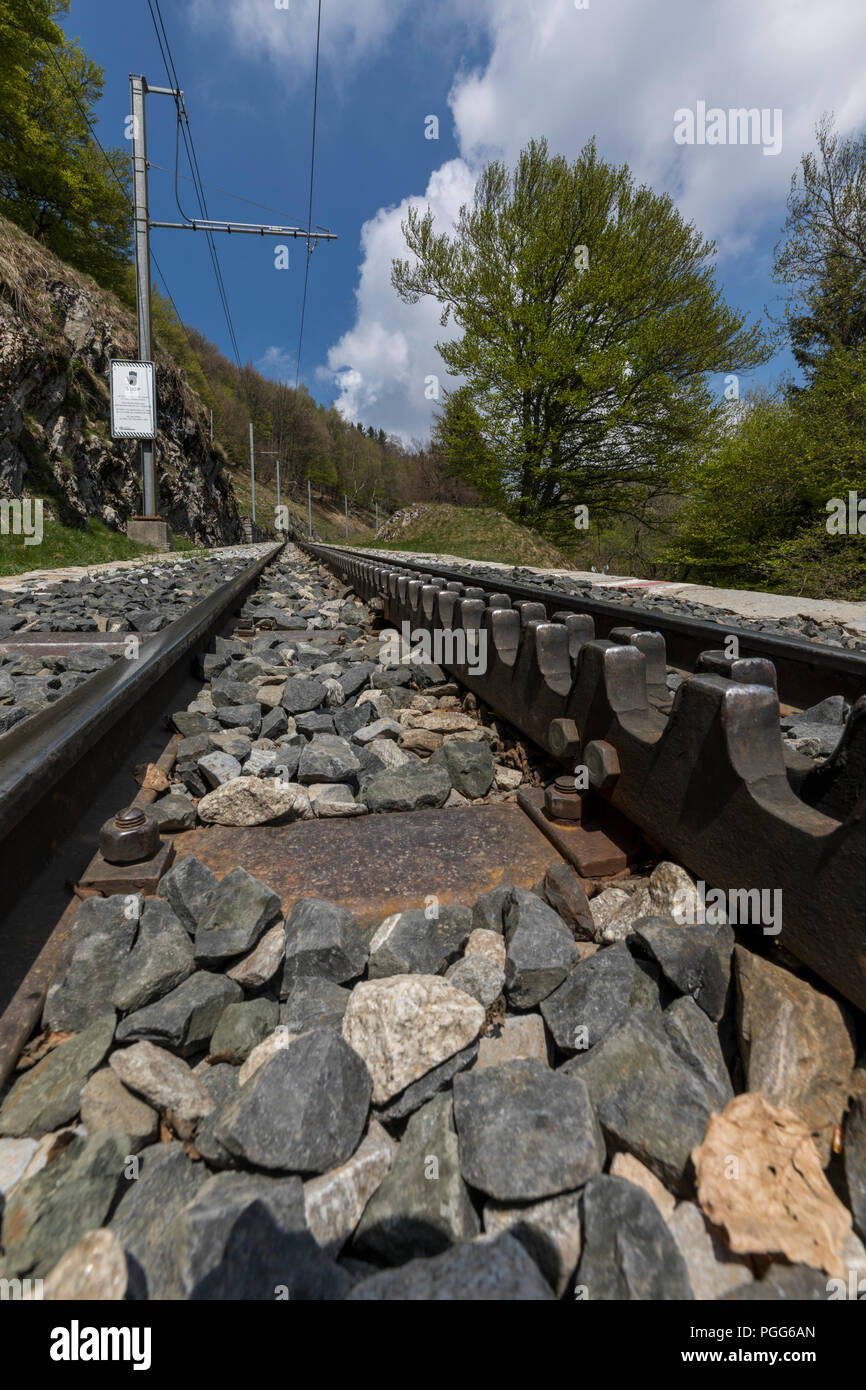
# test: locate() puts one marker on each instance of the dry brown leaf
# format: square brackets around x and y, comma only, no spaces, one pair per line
[760,1176]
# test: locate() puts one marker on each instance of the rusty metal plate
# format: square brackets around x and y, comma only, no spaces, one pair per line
[379,864]
[595,853]
[142,877]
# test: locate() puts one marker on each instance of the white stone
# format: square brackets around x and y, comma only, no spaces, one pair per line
[405,1025]
[507,778]
[335,1201]
[625,1165]
[15,1154]
[549,1230]
[441,721]
[605,907]
[165,1081]
[334,799]
[260,760]
[522,1036]
[380,728]
[482,942]
[254,801]
[93,1270]
[263,1051]
[389,755]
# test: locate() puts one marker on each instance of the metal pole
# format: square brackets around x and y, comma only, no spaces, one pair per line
[137,90]
[278,482]
[310,505]
[377,516]
[253,472]
[346,500]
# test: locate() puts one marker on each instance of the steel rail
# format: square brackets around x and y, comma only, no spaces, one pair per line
[806,671]
[704,776]
[53,745]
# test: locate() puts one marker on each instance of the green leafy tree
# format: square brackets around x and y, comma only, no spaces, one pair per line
[54,181]
[588,320]
[458,435]
[822,259]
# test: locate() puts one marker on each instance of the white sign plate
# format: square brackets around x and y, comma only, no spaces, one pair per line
[133,400]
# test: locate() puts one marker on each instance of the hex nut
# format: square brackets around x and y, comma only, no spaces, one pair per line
[562,801]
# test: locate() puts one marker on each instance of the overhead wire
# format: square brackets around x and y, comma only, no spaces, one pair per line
[183,127]
[310,248]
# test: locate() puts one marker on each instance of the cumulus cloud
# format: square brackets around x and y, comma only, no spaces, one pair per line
[618,70]
[383,365]
[285,36]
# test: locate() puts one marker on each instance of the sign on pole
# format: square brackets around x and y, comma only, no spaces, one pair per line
[133,400]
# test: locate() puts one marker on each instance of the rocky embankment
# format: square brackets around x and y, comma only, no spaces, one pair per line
[58,331]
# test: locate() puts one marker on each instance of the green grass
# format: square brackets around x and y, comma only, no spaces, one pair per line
[473,533]
[68,545]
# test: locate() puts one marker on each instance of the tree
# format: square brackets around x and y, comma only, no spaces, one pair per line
[590,319]
[822,259]
[54,181]
[458,437]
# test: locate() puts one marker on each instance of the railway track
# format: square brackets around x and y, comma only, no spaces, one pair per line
[704,775]
[57,768]
[380,881]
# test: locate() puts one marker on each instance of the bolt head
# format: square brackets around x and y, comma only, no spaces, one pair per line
[602,762]
[563,739]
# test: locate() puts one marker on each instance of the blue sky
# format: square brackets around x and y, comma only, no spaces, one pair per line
[494,72]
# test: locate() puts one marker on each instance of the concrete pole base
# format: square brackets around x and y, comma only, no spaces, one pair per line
[150,530]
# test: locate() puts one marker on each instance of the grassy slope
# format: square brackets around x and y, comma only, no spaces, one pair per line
[328,520]
[473,533]
[68,545]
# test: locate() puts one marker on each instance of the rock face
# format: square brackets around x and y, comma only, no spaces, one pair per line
[92,962]
[322,939]
[58,331]
[410,943]
[540,949]
[49,1212]
[335,1202]
[648,1100]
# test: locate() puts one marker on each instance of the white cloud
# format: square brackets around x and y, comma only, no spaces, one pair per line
[618,70]
[383,364]
[351,29]
[277,363]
